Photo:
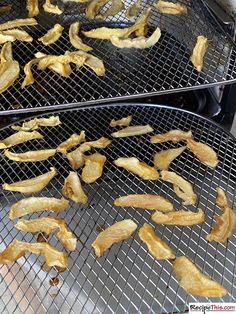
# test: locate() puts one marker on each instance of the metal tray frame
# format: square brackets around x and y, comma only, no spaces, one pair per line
[127,278]
[131,73]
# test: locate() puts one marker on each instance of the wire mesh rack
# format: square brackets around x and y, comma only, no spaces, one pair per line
[130,73]
[127,279]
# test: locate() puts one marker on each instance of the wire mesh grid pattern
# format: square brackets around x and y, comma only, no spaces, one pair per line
[129,72]
[127,279]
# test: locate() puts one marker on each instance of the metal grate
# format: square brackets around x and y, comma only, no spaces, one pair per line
[127,279]
[130,73]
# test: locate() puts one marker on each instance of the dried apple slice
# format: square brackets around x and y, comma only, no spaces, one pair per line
[75,40]
[33,185]
[30,156]
[179,218]
[18,23]
[93,168]
[164,158]
[167,7]
[203,152]
[19,138]
[49,225]
[145,201]
[62,69]
[182,187]
[137,167]
[119,231]
[52,35]
[73,190]
[121,122]
[133,131]
[138,42]
[76,159]
[72,141]
[225,224]
[51,8]
[35,204]
[139,28]
[194,282]
[199,52]
[173,135]
[9,68]
[157,247]
[33,7]
[17,249]
[36,123]
[14,34]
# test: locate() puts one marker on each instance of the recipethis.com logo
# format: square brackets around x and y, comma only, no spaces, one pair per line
[214,308]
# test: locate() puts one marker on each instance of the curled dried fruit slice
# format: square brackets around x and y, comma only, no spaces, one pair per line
[48,225]
[93,168]
[199,52]
[164,158]
[9,68]
[173,135]
[57,67]
[133,10]
[106,33]
[51,8]
[19,138]
[139,42]
[133,131]
[6,53]
[75,40]
[102,142]
[35,204]
[35,123]
[167,7]
[203,152]
[9,72]
[76,159]
[137,167]
[33,185]
[76,57]
[121,122]
[72,189]
[116,7]
[94,63]
[16,34]
[182,187]
[194,282]
[4,38]
[72,141]
[18,23]
[179,218]
[17,249]
[93,7]
[119,231]
[29,79]
[30,156]
[52,35]
[33,7]
[158,248]
[225,224]
[146,201]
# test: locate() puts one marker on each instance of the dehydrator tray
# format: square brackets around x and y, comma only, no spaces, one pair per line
[127,279]
[130,73]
